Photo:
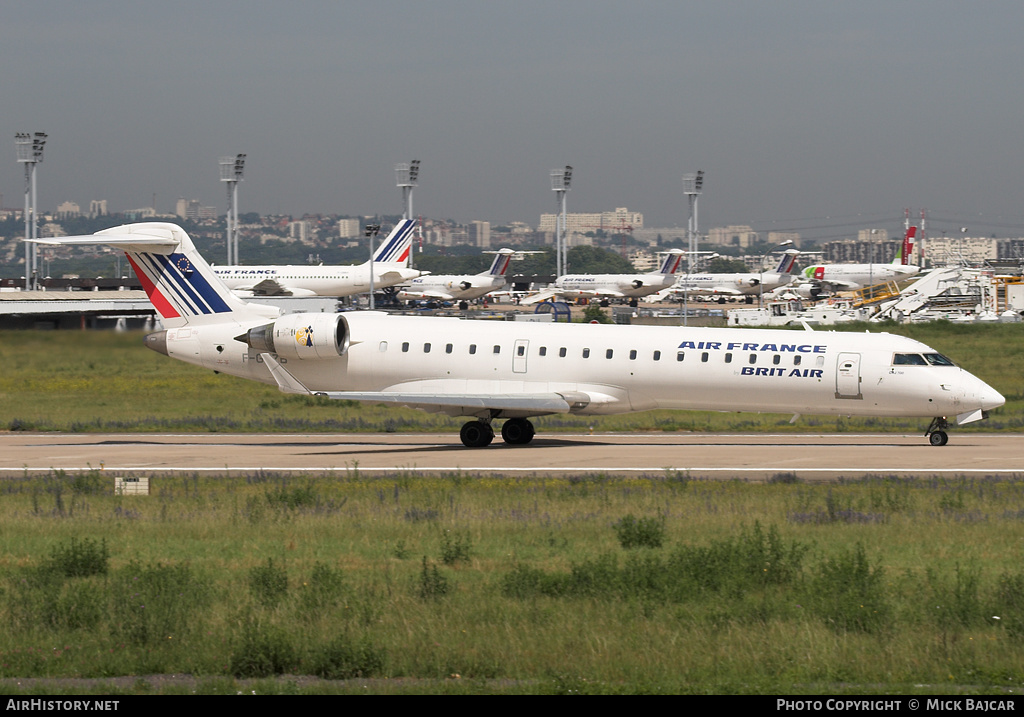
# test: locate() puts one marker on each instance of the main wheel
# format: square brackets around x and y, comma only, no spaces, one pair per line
[517,431]
[938,438]
[476,434]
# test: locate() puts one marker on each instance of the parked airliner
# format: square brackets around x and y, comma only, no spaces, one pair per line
[613,286]
[390,267]
[849,277]
[737,284]
[516,370]
[459,288]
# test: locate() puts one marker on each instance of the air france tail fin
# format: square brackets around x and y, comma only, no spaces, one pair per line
[500,264]
[787,262]
[672,262]
[906,250]
[397,247]
[178,281]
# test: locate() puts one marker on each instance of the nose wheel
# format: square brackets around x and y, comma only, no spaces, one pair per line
[936,432]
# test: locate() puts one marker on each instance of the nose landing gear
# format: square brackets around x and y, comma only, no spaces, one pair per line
[936,432]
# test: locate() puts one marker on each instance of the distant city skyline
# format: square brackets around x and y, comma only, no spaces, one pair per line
[820,119]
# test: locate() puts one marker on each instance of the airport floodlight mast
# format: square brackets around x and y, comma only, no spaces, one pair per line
[692,186]
[407,176]
[231,169]
[371,232]
[561,183]
[30,153]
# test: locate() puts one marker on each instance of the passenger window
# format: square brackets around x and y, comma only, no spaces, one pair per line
[448,348]
[497,349]
[543,351]
[704,357]
[521,350]
[797,359]
[632,355]
[728,358]
[561,352]
[753,359]
[426,348]
[657,355]
[608,353]
[405,347]
[776,359]
[680,355]
[383,346]
[472,349]
[586,353]
[819,361]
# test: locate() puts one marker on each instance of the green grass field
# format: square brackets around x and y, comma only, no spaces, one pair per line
[467,583]
[105,381]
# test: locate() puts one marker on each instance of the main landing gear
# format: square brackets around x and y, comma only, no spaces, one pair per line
[936,432]
[479,434]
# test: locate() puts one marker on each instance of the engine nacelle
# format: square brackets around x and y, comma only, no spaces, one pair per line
[301,336]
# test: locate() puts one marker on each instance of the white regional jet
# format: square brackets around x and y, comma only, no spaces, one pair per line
[613,286]
[738,284]
[390,267]
[516,370]
[460,288]
[849,277]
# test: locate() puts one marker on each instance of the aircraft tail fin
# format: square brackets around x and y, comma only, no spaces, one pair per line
[672,262]
[178,281]
[787,262]
[906,250]
[397,247]
[500,264]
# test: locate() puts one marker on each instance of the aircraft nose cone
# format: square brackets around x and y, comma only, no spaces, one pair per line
[986,397]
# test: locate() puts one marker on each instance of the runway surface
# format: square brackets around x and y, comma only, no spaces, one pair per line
[751,457]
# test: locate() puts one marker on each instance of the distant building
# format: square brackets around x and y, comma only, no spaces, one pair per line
[98,208]
[300,231]
[66,210]
[643,261]
[859,252]
[777,238]
[733,235]
[942,250]
[609,222]
[480,234]
[349,228]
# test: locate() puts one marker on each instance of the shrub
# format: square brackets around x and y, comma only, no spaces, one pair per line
[263,651]
[79,559]
[635,532]
[432,584]
[268,583]
[849,594]
[343,659]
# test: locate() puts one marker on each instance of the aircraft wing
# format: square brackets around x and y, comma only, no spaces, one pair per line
[455,404]
[270,287]
[539,297]
[393,277]
[727,290]
[839,284]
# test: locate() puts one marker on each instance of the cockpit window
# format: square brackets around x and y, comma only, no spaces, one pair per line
[938,360]
[908,360]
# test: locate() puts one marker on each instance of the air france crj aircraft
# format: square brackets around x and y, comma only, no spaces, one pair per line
[613,286]
[849,277]
[390,267]
[738,284]
[460,288]
[514,371]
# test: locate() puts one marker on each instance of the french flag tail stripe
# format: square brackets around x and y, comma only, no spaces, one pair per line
[180,284]
[160,303]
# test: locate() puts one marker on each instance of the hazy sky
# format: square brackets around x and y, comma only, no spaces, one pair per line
[819,116]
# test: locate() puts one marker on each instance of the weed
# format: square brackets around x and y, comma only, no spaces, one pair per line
[268,584]
[157,602]
[432,584]
[262,651]
[321,592]
[80,558]
[635,532]
[849,594]
[343,659]
[453,551]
